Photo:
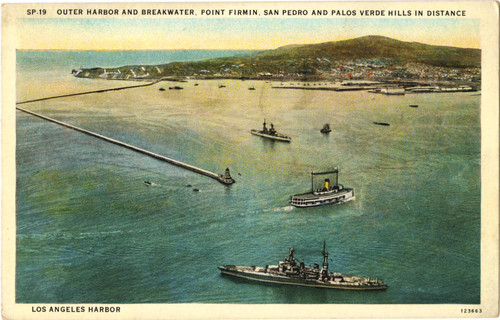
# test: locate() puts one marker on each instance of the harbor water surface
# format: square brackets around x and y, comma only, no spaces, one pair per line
[90,230]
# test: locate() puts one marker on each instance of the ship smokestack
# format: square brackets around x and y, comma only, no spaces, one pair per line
[327,184]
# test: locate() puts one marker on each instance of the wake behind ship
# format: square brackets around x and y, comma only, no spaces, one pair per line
[296,273]
[270,133]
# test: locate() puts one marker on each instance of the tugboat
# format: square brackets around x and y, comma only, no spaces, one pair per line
[328,194]
[326,128]
[296,273]
[270,133]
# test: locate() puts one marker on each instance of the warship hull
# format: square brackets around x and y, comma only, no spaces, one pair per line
[259,274]
[276,137]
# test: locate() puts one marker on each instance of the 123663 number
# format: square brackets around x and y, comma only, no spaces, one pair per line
[471,310]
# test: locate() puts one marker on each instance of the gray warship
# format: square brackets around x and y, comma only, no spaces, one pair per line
[270,133]
[296,273]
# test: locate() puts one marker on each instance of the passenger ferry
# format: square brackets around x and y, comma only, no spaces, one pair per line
[327,194]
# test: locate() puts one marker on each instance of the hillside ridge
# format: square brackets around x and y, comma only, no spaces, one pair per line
[351,58]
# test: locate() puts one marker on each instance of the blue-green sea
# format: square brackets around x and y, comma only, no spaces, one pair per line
[89,230]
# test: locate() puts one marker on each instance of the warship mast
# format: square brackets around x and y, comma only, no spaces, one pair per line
[324,268]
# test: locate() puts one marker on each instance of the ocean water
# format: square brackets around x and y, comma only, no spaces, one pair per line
[90,230]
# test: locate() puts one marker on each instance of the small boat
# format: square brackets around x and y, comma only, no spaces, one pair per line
[196,84]
[326,128]
[175,88]
[251,88]
[381,123]
[148,183]
[413,105]
[162,89]
[196,190]
[293,272]
[270,133]
[392,91]
[222,86]
[326,194]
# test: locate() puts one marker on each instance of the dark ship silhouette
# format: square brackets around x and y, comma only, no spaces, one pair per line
[293,272]
[270,133]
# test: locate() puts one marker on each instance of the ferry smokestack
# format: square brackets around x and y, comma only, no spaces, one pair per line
[327,184]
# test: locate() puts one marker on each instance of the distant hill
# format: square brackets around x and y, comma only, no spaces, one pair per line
[378,47]
[311,59]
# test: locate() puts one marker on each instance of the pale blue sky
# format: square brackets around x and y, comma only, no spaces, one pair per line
[231,33]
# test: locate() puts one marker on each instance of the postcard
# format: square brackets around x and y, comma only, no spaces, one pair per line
[250,160]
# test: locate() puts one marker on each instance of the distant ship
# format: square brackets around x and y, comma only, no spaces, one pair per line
[326,128]
[296,273]
[270,133]
[381,123]
[328,194]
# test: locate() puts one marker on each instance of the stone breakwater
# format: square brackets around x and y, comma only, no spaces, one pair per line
[87,92]
[224,179]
